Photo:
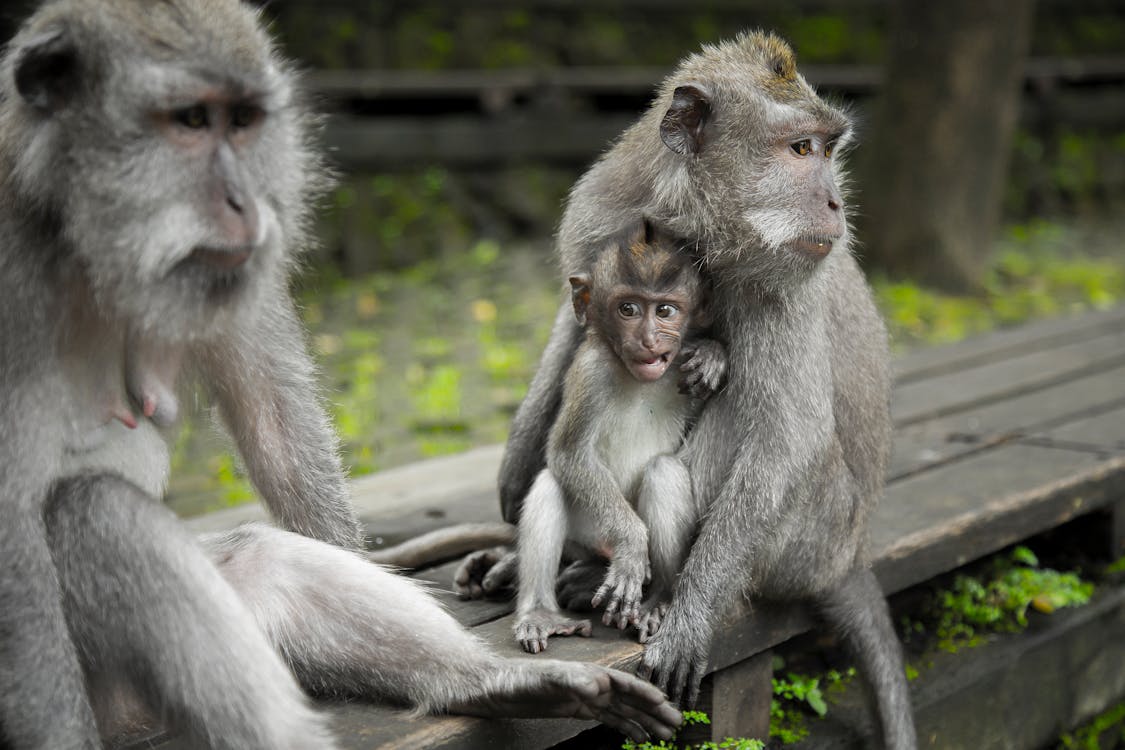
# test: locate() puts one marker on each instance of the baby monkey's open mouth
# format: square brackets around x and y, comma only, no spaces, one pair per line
[651,368]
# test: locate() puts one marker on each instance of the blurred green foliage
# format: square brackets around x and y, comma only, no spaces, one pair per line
[428,35]
[434,357]
[1037,270]
[428,335]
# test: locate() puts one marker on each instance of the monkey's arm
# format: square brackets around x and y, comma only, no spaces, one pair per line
[42,690]
[744,518]
[263,380]
[525,452]
[358,632]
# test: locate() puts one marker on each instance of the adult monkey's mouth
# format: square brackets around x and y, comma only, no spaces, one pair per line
[816,247]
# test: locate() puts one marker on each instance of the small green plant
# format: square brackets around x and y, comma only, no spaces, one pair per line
[692,718]
[1108,725]
[795,695]
[1115,567]
[998,601]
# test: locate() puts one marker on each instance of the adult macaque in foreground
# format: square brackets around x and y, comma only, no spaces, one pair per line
[155,179]
[612,487]
[739,154]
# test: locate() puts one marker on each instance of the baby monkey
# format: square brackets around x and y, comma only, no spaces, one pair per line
[613,488]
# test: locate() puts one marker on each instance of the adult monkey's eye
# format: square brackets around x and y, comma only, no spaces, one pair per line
[829,148]
[802,148]
[629,309]
[194,117]
[244,115]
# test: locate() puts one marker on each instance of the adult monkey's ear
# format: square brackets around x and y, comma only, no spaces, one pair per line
[46,70]
[682,126]
[580,296]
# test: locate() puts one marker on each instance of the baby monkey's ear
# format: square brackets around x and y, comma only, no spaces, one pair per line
[580,296]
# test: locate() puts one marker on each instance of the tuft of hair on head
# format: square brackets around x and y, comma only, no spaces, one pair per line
[646,256]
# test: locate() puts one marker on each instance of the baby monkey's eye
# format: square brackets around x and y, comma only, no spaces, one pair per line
[194,117]
[666,311]
[802,148]
[629,309]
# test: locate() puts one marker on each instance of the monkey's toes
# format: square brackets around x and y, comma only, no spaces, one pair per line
[535,629]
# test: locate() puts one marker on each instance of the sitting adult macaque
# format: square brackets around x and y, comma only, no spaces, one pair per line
[738,154]
[156,176]
[612,487]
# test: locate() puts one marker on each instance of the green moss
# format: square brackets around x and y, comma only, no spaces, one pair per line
[695,718]
[997,600]
[1108,726]
[798,697]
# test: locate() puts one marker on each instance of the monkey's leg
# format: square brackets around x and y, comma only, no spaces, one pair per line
[667,505]
[42,693]
[543,528]
[857,610]
[350,627]
[145,603]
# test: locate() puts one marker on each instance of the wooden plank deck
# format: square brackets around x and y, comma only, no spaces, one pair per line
[999,437]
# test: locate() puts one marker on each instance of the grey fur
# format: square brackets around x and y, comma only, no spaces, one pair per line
[140,244]
[790,457]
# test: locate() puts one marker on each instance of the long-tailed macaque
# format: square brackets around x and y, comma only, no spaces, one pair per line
[738,154]
[613,487]
[156,176]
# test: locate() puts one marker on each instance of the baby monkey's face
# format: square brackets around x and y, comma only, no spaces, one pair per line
[646,329]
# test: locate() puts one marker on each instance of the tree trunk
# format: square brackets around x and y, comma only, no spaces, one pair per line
[935,163]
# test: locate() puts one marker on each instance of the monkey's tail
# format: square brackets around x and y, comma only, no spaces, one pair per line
[445,544]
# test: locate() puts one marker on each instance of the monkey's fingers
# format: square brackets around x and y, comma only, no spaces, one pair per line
[644,704]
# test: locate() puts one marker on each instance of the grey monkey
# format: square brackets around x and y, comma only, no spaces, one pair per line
[156,178]
[612,487]
[739,154]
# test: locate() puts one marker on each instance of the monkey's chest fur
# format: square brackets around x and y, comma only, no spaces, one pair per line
[641,421]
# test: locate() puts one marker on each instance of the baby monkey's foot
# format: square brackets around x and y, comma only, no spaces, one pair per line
[652,614]
[534,628]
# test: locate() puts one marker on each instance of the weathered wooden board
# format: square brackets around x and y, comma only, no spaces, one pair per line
[1102,433]
[934,441]
[1005,343]
[989,382]
[940,519]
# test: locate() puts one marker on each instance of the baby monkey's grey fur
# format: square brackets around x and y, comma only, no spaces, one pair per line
[613,487]
[738,154]
[155,178]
